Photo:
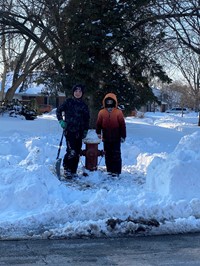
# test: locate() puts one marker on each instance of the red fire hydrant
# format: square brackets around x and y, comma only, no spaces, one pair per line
[91,151]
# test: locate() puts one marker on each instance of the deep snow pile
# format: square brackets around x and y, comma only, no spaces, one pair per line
[157,192]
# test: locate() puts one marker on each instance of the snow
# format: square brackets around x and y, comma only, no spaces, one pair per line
[158,191]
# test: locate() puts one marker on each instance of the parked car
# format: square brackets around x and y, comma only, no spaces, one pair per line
[178,110]
[44,108]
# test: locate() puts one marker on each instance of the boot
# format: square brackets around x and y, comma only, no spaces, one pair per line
[67,174]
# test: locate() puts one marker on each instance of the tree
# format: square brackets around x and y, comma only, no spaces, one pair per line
[183,44]
[175,95]
[188,63]
[23,55]
[103,50]
[105,43]
[5,67]
[183,28]
[58,26]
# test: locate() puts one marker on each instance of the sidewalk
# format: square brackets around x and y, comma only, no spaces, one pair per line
[137,251]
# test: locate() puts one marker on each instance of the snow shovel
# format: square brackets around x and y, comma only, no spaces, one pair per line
[59,160]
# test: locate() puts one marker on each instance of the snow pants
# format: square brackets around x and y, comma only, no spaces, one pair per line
[113,156]
[71,158]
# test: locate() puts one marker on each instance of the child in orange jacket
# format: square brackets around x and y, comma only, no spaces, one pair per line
[111,127]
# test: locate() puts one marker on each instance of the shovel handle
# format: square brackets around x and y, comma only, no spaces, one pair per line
[60,145]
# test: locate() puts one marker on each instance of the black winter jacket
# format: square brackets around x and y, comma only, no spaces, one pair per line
[76,115]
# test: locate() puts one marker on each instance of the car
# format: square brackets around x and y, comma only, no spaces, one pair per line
[44,108]
[178,110]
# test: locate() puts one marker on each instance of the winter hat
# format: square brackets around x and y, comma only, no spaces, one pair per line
[78,87]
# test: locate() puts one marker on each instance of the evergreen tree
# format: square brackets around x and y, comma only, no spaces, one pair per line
[108,51]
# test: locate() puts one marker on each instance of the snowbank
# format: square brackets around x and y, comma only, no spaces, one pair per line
[157,192]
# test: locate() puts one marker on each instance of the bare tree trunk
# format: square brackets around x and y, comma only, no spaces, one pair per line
[5,68]
[11,91]
[93,112]
[199,120]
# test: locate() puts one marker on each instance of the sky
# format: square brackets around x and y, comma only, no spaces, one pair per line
[158,191]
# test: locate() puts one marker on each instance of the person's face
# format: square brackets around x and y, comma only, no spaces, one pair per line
[78,93]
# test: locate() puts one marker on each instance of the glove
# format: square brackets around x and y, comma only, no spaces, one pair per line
[122,140]
[85,134]
[63,124]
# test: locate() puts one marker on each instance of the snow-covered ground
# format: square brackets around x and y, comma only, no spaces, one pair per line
[158,191]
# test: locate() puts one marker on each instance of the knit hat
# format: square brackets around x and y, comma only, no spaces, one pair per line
[78,87]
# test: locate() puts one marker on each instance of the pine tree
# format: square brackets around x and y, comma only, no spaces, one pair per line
[107,51]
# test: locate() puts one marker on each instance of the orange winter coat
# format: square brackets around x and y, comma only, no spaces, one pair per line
[111,124]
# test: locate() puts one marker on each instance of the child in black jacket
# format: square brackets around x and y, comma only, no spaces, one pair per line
[75,124]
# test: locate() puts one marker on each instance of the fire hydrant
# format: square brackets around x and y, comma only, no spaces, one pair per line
[91,151]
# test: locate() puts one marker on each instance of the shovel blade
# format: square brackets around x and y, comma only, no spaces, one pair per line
[57,167]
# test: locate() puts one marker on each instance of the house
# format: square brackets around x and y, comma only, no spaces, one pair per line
[158,105]
[37,95]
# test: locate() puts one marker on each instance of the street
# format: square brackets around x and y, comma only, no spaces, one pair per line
[150,250]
